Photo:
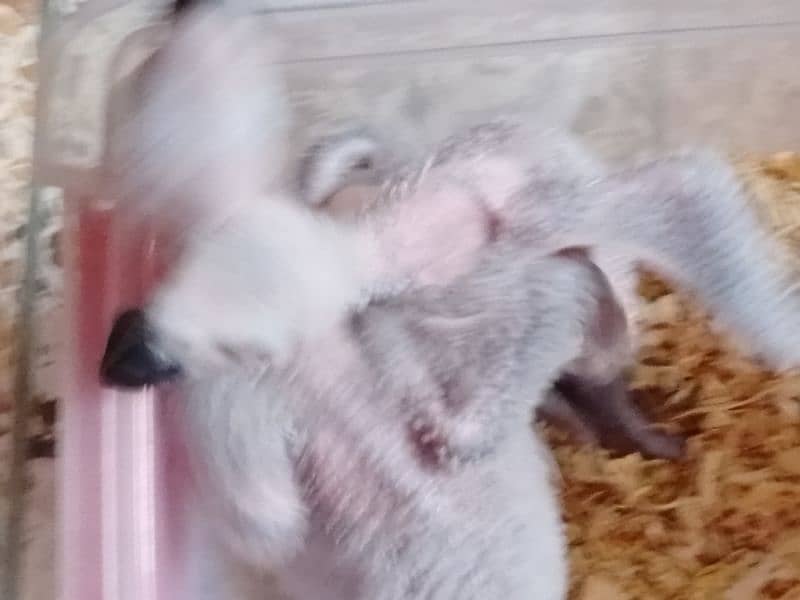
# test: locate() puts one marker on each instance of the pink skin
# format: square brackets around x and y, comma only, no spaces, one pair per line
[415,237]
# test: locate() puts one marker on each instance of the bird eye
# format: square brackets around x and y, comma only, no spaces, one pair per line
[363,164]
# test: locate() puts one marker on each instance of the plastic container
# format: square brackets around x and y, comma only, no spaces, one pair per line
[124,488]
[121,474]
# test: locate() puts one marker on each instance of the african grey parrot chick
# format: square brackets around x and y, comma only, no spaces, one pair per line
[308,458]
[320,451]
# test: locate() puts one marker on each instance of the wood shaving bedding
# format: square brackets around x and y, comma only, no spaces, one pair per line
[725,522]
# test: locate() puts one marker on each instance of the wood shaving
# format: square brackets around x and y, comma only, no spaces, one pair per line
[725,521]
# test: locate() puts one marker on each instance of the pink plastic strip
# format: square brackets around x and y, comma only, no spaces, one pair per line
[123,473]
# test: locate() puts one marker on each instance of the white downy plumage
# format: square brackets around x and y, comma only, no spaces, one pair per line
[381,451]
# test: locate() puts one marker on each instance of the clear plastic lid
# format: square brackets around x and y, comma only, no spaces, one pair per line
[86,50]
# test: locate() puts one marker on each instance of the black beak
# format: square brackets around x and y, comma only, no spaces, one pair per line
[133,358]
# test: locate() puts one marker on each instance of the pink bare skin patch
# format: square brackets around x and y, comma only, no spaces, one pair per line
[437,233]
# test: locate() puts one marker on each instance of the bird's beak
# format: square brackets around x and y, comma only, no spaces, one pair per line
[133,357]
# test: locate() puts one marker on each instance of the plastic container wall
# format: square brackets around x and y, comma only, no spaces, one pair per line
[120,472]
[632,77]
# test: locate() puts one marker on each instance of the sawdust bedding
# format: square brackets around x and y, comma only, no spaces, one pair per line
[724,522]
